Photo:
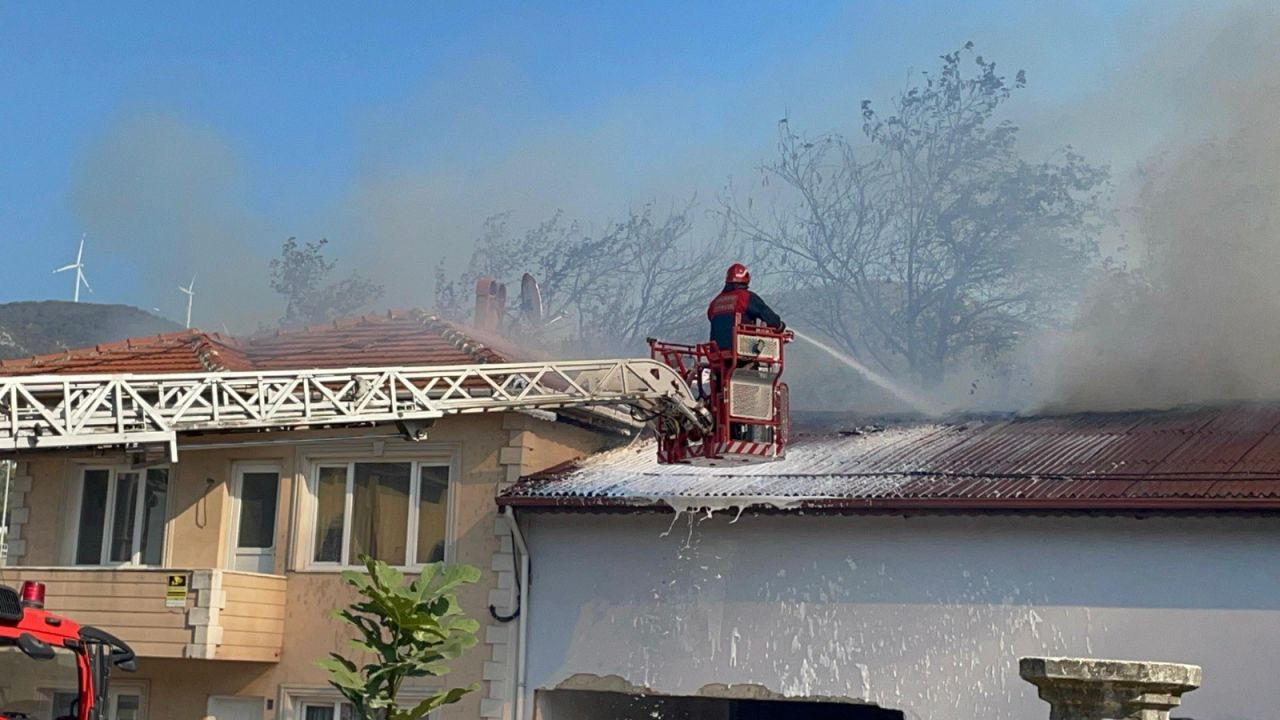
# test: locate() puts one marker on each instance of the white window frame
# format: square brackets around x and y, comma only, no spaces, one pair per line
[141,688]
[238,471]
[109,515]
[292,698]
[336,704]
[447,460]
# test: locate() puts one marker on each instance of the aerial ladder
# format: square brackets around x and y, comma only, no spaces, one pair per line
[708,406]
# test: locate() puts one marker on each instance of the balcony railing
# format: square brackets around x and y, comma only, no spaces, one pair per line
[222,615]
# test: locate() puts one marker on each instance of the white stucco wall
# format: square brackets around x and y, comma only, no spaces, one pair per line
[927,615]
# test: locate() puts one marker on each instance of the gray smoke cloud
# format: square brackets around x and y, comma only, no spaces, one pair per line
[163,198]
[165,194]
[1191,126]
[1197,322]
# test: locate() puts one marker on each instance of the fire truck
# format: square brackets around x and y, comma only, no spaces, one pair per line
[41,651]
[708,405]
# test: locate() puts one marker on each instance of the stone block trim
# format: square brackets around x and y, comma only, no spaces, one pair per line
[499,671]
[204,617]
[18,513]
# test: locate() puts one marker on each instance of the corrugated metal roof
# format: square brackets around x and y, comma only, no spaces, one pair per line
[1217,458]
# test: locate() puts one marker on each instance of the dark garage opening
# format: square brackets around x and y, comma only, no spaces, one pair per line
[597,705]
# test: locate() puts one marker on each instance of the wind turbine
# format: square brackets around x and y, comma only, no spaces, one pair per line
[78,266]
[190,292]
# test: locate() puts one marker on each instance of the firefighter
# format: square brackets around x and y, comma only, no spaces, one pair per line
[735,304]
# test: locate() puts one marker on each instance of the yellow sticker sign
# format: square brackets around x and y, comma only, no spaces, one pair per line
[175,595]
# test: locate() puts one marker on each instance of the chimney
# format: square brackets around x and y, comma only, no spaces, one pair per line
[491,305]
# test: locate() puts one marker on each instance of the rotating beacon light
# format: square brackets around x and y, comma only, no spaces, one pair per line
[33,594]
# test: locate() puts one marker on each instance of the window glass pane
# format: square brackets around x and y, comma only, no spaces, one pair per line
[154,512]
[258,509]
[331,501]
[380,512]
[433,501]
[25,683]
[93,517]
[64,704]
[317,712]
[120,547]
[127,707]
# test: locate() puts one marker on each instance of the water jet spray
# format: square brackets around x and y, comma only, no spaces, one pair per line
[916,402]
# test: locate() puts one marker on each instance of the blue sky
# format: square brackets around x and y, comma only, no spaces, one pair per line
[193,138]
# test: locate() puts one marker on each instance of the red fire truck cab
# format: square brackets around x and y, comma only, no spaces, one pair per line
[41,652]
[743,390]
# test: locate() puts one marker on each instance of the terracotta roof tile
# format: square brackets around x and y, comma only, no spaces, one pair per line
[395,338]
[176,352]
[403,338]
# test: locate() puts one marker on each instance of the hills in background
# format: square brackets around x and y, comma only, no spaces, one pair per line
[37,328]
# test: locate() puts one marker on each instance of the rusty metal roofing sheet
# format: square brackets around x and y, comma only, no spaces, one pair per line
[1219,458]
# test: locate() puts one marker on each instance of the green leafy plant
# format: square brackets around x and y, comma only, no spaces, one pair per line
[411,629]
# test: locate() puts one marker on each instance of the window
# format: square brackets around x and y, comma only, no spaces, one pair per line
[315,704]
[26,684]
[257,521]
[393,511]
[327,710]
[123,703]
[252,531]
[122,516]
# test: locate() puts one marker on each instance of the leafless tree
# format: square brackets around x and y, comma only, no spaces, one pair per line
[301,275]
[603,291]
[932,240]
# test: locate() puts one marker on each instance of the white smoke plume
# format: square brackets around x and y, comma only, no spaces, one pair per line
[1198,322]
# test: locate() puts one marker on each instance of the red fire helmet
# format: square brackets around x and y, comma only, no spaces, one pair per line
[738,273]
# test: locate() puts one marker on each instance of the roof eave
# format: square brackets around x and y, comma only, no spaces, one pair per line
[786,505]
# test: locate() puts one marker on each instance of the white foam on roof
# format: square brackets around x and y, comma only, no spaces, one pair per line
[815,468]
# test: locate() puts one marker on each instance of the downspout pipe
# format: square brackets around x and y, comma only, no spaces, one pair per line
[522,629]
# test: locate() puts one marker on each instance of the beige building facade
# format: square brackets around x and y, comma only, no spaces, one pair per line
[221,569]
[259,533]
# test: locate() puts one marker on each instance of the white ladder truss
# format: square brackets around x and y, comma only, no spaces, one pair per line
[48,411]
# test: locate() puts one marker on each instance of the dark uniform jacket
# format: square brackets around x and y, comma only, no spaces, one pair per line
[733,302]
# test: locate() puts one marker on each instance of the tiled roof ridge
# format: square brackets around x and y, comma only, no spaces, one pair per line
[456,336]
[212,350]
[334,324]
[138,342]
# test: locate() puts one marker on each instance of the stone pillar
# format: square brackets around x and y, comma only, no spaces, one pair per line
[1085,689]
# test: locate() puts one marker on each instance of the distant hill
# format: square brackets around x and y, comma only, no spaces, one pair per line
[36,328]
